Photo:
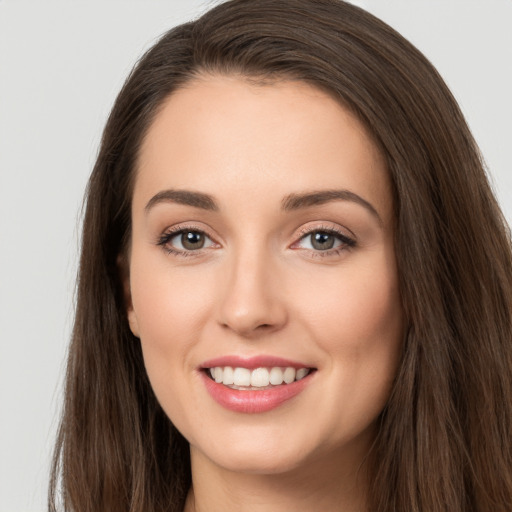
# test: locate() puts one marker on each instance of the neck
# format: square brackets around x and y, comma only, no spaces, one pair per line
[332,485]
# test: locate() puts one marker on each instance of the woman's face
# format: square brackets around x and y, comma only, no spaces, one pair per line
[263,243]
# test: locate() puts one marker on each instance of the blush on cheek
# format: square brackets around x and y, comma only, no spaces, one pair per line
[355,315]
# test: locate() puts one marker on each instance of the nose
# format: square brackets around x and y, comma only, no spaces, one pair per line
[253,302]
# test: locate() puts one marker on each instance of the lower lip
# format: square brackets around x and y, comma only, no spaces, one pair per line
[251,402]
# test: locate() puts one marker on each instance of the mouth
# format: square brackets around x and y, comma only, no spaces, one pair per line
[263,378]
[255,385]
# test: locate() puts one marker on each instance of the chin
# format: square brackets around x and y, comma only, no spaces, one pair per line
[253,451]
[256,463]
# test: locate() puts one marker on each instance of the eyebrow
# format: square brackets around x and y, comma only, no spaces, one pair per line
[291,202]
[185,197]
[316,198]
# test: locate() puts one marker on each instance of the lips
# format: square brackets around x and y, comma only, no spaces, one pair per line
[254,385]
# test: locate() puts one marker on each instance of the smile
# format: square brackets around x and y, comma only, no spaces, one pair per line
[259,378]
[255,385]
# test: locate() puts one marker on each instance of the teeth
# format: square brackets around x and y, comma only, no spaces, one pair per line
[257,378]
[301,373]
[289,375]
[260,377]
[228,375]
[276,376]
[242,377]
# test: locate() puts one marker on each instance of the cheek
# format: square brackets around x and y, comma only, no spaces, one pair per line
[170,311]
[363,335]
[356,318]
[358,308]
[169,304]
[166,309]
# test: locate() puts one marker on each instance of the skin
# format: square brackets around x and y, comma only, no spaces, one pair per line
[259,286]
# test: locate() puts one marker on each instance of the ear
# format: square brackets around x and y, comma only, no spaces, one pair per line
[124,275]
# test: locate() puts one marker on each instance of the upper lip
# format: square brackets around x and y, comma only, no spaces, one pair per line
[260,361]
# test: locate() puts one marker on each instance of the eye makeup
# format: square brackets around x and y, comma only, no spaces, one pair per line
[319,240]
[324,240]
[186,241]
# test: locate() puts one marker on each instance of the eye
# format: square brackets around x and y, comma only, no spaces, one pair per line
[189,240]
[324,240]
[185,240]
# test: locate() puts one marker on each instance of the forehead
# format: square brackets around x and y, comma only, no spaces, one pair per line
[224,135]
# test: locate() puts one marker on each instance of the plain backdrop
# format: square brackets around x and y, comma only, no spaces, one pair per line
[61,65]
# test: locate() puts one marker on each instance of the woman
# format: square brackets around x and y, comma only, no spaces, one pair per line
[295,289]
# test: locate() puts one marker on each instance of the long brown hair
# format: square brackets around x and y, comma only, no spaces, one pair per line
[444,437]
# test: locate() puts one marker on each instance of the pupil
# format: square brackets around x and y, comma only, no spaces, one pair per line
[192,240]
[322,241]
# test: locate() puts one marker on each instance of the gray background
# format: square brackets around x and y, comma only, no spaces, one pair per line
[61,65]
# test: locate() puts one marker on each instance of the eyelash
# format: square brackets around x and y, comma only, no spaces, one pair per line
[167,236]
[347,243]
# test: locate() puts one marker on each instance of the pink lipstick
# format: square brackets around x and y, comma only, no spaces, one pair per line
[254,385]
